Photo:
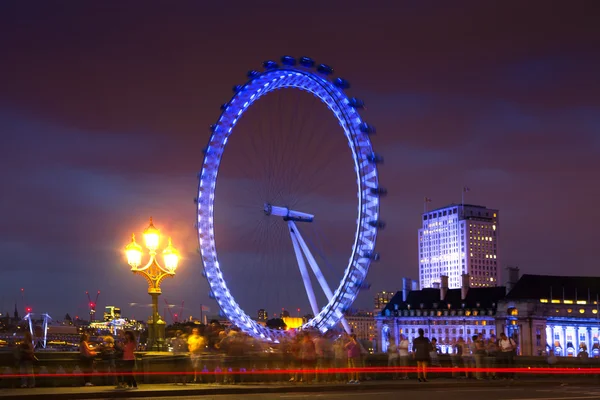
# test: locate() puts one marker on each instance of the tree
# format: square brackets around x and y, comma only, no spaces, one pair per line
[68,318]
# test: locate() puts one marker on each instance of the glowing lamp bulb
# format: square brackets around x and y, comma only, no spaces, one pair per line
[151,236]
[134,253]
[171,257]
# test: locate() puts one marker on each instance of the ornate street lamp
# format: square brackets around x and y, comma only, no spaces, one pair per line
[154,273]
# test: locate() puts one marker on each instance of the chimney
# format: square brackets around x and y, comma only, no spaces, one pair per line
[406,286]
[415,285]
[464,288]
[443,287]
[513,278]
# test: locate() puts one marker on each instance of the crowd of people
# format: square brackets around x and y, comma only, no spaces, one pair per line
[215,354]
[476,359]
[304,353]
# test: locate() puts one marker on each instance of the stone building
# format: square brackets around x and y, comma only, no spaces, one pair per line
[443,313]
[543,313]
[553,313]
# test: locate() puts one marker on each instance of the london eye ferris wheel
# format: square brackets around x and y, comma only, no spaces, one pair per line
[288,191]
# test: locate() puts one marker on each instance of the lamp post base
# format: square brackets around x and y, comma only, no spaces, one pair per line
[156,336]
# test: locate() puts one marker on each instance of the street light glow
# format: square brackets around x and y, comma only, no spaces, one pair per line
[134,253]
[151,236]
[171,256]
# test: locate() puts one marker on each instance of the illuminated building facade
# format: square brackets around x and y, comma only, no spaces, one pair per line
[363,325]
[445,314]
[263,315]
[111,313]
[381,300]
[542,313]
[553,313]
[459,239]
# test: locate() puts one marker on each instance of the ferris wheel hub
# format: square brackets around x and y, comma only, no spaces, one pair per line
[287,214]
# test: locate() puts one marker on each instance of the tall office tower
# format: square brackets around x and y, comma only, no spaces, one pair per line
[459,239]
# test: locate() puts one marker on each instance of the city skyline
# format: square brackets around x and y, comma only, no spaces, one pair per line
[107,113]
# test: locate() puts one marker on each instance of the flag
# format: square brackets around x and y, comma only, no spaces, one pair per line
[466,189]
[427,200]
[205,308]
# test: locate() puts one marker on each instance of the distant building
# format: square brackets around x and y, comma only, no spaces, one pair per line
[459,239]
[111,313]
[263,315]
[362,324]
[381,299]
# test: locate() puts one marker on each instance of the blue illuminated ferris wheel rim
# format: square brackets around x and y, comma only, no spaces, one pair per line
[365,165]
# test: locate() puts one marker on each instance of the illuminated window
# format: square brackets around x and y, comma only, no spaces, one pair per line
[569,310]
[594,311]
[581,311]
[543,300]
[568,301]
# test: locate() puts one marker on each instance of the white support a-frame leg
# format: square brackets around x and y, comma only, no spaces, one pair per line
[303,270]
[316,270]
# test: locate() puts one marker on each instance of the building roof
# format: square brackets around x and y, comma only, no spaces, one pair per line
[451,205]
[555,287]
[429,298]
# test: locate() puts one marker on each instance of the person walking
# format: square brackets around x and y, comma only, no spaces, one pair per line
[353,349]
[479,355]
[403,355]
[492,351]
[129,360]
[196,345]
[107,353]
[421,349]
[182,361]
[506,351]
[26,358]
[87,353]
[392,352]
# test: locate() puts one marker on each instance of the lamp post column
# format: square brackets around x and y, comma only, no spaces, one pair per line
[153,336]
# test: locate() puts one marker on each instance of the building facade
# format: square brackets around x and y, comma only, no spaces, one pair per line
[448,315]
[544,314]
[553,314]
[381,300]
[362,324]
[459,239]
[263,315]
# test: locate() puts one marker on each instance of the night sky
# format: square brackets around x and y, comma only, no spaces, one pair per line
[105,108]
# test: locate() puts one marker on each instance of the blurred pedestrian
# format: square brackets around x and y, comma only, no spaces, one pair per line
[26,357]
[87,353]
[421,348]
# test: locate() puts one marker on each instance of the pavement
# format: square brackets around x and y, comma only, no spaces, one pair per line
[521,389]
